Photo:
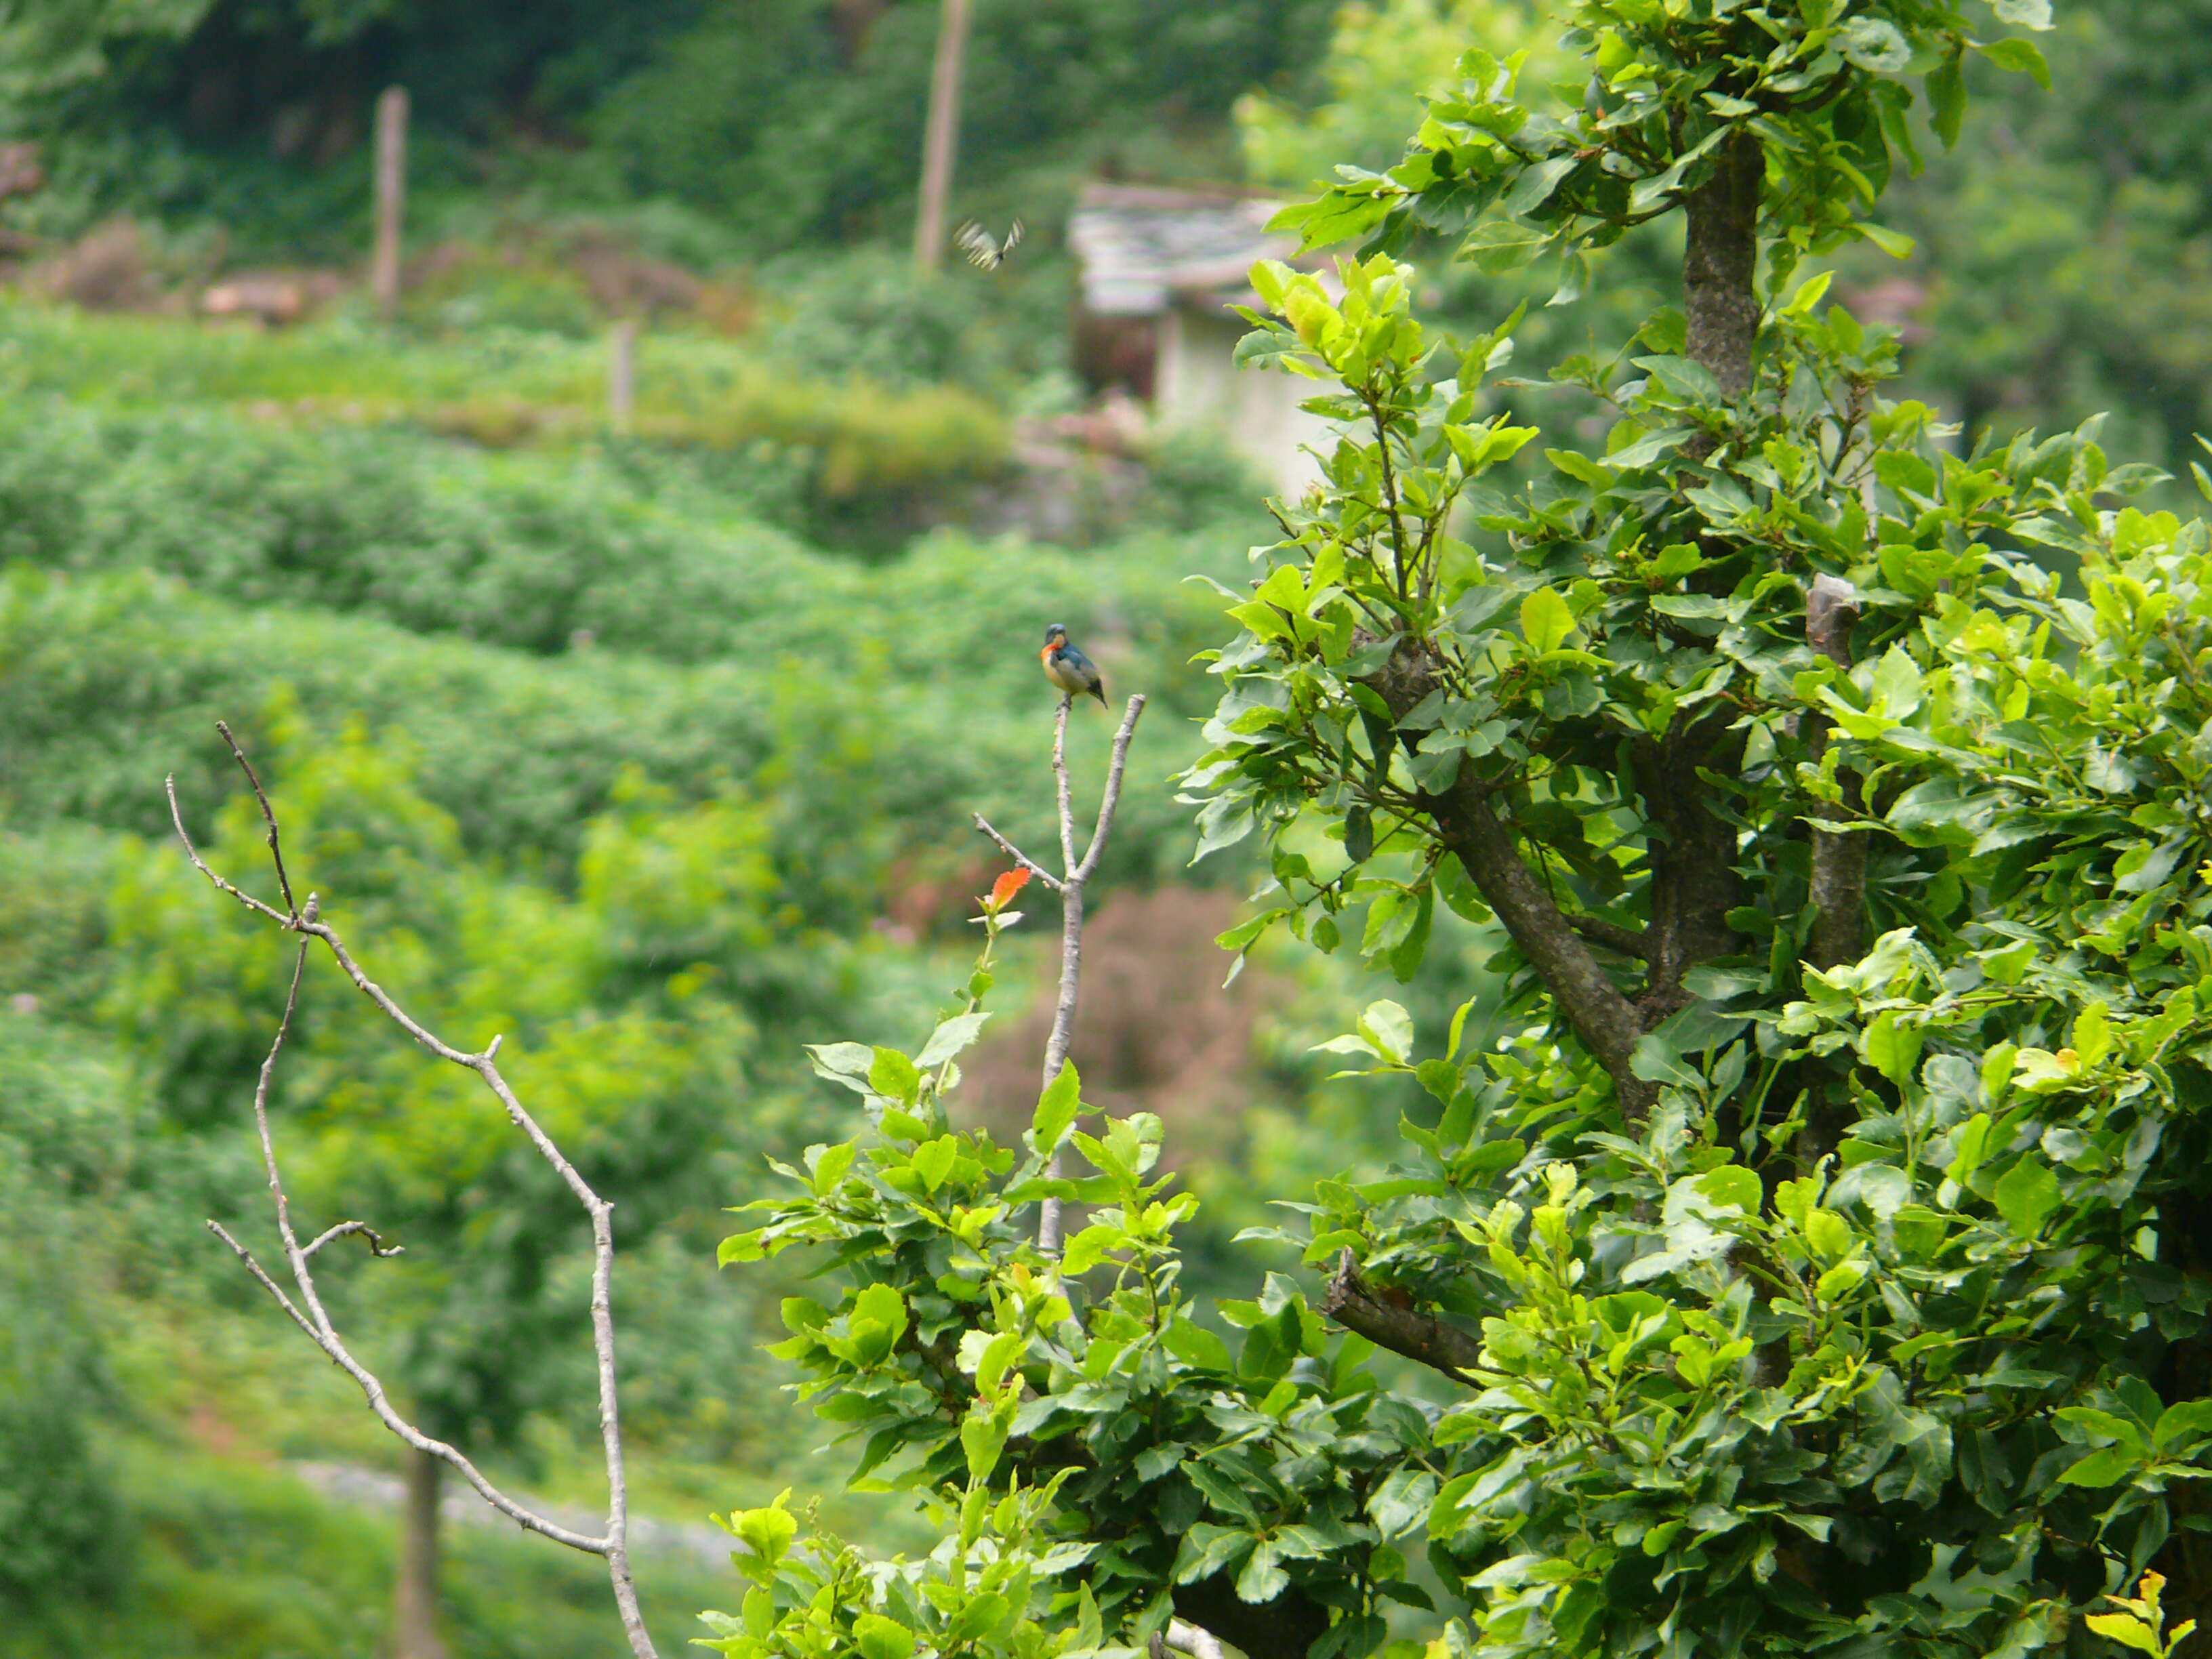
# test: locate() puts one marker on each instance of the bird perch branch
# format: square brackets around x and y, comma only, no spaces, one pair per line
[1070,885]
[309,1312]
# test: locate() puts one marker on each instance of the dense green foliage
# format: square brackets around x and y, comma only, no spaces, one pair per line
[1829,1222]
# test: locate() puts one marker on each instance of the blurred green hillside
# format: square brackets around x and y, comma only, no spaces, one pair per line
[583,742]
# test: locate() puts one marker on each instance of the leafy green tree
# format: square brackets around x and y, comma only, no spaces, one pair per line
[1818,1266]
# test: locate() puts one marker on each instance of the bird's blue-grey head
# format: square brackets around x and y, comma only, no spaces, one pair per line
[1055,634]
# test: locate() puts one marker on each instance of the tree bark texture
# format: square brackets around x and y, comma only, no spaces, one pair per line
[1720,261]
[415,1604]
[1353,1303]
[1692,852]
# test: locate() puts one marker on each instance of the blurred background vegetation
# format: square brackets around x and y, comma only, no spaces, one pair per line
[654,748]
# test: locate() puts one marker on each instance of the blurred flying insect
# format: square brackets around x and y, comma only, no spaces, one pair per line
[983,250]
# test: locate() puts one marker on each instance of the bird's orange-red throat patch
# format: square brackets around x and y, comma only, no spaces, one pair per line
[1045,655]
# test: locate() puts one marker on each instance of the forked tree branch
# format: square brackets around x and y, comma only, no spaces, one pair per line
[1070,885]
[308,1311]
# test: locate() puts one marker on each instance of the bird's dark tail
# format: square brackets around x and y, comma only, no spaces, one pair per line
[1099,692]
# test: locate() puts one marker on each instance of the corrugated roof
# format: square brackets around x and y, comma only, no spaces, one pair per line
[1141,247]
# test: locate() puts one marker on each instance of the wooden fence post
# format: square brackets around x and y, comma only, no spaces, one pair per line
[391,199]
[621,375]
[941,135]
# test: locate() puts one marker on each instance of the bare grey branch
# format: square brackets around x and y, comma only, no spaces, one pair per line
[309,1312]
[1071,916]
[1016,854]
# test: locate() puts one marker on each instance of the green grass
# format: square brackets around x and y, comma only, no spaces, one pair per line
[230,1559]
[507,387]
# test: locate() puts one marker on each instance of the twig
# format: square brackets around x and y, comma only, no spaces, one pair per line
[269,817]
[1018,856]
[377,1247]
[309,1312]
[1070,887]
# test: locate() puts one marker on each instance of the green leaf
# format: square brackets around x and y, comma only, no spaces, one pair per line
[2107,1468]
[983,1439]
[882,1307]
[1535,185]
[2021,57]
[830,1165]
[2028,14]
[766,1532]
[1262,1579]
[1195,1344]
[1389,1028]
[1359,835]
[1892,1047]
[2026,1195]
[895,1077]
[934,1160]
[1874,44]
[2124,1628]
[1056,1109]
[949,1038]
[1895,243]
[1089,1248]
[878,1637]
[1648,449]
[1947,99]
[842,1062]
[1545,622]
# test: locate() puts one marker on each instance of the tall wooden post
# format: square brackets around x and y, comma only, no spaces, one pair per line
[391,199]
[941,135]
[415,1602]
[621,375]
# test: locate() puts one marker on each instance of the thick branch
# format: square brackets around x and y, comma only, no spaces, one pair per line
[1836,883]
[1604,1020]
[309,1312]
[1418,1336]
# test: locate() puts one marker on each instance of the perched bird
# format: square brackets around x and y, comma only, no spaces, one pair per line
[984,251]
[1068,668]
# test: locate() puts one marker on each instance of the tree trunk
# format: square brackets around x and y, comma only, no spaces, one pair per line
[414,1605]
[1692,851]
[1720,263]
[1692,848]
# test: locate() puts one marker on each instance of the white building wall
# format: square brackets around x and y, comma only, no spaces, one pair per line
[1198,385]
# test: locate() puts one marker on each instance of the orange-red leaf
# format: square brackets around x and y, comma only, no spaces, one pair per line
[1004,890]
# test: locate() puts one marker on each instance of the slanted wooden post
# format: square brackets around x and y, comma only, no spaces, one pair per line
[621,375]
[391,199]
[941,135]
